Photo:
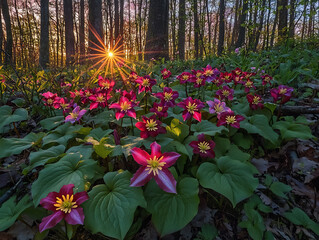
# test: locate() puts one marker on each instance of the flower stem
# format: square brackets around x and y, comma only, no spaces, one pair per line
[16,130]
[132,126]
[66,230]
[186,89]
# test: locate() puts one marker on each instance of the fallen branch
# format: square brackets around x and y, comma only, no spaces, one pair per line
[297,110]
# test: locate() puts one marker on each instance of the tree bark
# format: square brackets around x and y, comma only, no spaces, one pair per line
[1,33]
[9,42]
[242,29]
[283,20]
[196,28]
[116,20]
[82,31]
[69,32]
[292,19]
[274,27]
[221,31]
[44,38]
[121,25]
[261,24]
[95,25]
[157,33]
[181,30]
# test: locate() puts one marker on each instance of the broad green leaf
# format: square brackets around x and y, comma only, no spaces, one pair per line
[171,212]
[300,218]
[51,123]
[99,133]
[231,178]
[7,116]
[10,211]
[12,146]
[235,153]
[208,128]
[177,130]
[259,124]
[291,130]
[41,157]
[103,118]
[280,189]
[222,145]
[69,169]
[244,141]
[111,206]
[271,106]
[102,149]
[84,150]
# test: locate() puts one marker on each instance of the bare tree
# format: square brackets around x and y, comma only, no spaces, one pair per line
[95,24]
[221,31]
[181,30]
[9,42]
[69,34]
[44,40]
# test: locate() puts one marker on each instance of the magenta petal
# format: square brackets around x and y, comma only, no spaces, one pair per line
[67,189]
[115,105]
[194,144]
[156,150]
[170,158]
[166,181]
[119,115]
[76,216]
[140,156]
[140,177]
[51,220]
[140,126]
[93,105]
[81,197]
[197,116]
[49,201]
[131,113]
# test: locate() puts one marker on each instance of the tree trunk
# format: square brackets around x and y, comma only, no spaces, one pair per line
[181,30]
[283,20]
[95,25]
[221,31]
[157,33]
[260,25]
[82,31]
[9,42]
[69,32]
[116,20]
[235,28]
[196,28]
[1,34]
[44,38]
[121,25]
[274,28]
[292,19]
[209,28]
[242,28]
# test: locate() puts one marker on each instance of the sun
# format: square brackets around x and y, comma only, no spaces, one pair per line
[110,54]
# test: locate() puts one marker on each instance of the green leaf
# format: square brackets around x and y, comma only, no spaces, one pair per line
[111,206]
[7,116]
[244,141]
[99,133]
[291,130]
[69,169]
[271,106]
[231,178]
[222,145]
[171,212]
[51,123]
[300,218]
[10,211]
[84,150]
[259,124]
[280,189]
[41,157]
[12,146]
[102,149]
[208,128]
[177,130]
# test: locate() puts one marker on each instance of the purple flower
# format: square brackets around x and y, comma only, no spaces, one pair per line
[65,205]
[167,97]
[192,108]
[203,147]
[124,107]
[75,115]
[217,107]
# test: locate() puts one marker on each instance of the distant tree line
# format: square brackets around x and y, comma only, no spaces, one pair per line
[62,32]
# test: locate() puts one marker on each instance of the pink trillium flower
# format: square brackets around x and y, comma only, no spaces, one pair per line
[99,99]
[65,205]
[282,93]
[184,77]
[249,85]
[154,166]
[167,97]
[229,119]
[75,115]
[226,77]
[203,147]
[49,98]
[192,108]
[159,109]
[255,101]
[266,79]
[225,93]
[150,127]
[76,93]
[105,83]
[210,73]
[166,73]
[124,107]
[217,107]
[145,84]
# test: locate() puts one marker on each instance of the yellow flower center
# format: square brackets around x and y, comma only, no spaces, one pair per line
[225,93]
[159,109]
[256,100]
[230,119]
[146,82]
[50,101]
[282,91]
[203,147]
[151,125]
[87,94]
[218,108]
[237,72]
[198,74]
[155,164]
[125,106]
[65,204]
[168,96]
[191,108]
[199,80]
[209,72]
[74,115]
[64,105]
[185,77]
[165,73]
[227,77]
[100,99]
[249,84]
[106,85]
[267,79]
[77,93]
